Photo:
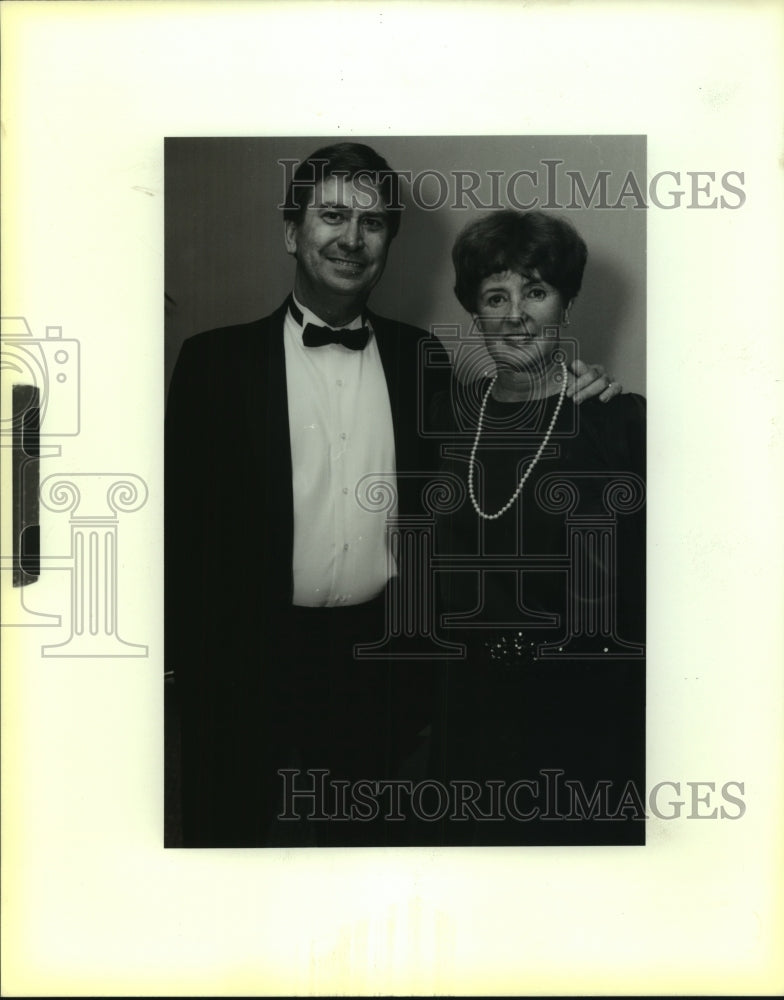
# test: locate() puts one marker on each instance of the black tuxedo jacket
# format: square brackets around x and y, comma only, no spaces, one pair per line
[229,542]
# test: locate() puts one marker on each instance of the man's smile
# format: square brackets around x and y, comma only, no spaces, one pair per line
[347,264]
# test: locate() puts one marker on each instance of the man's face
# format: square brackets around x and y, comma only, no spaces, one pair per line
[341,243]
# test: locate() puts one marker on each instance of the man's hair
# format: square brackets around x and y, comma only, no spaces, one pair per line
[347,160]
[522,242]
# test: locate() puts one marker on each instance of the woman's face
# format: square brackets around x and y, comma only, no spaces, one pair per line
[519,316]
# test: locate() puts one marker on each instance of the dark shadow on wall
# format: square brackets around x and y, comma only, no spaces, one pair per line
[601,309]
[409,289]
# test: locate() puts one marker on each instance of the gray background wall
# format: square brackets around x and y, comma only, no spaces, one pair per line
[225,261]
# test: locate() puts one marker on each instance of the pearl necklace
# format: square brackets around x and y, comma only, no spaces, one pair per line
[529,470]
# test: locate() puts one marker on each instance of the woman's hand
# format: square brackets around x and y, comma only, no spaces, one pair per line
[586,381]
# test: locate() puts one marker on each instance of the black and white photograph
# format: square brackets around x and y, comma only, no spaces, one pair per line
[390,546]
[405,564]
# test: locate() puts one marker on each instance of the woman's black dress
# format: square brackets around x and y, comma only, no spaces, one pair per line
[540,730]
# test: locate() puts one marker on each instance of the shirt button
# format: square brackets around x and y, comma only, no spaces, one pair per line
[343,436]
[339,382]
[345,547]
[345,489]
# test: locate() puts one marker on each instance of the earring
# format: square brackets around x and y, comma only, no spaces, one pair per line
[565,320]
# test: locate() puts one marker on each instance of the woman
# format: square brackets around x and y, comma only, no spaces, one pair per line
[545,546]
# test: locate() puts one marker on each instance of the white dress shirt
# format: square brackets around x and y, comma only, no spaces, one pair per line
[340,425]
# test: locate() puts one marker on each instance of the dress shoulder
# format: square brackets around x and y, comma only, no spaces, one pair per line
[631,411]
[617,429]
[634,406]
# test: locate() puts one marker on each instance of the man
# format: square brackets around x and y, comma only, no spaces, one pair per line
[278,566]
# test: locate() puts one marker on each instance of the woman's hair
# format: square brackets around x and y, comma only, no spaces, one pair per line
[522,242]
[347,160]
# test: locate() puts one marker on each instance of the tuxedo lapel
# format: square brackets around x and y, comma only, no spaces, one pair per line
[399,347]
[388,340]
[267,421]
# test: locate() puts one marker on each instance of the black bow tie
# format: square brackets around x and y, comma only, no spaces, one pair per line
[318,336]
